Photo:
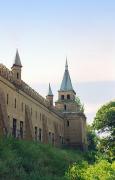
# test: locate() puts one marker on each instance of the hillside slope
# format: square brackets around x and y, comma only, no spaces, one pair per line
[23,160]
[29,160]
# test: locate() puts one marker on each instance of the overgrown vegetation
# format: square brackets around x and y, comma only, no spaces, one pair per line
[104,122]
[24,160]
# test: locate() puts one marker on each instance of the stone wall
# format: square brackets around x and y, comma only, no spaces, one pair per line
[26,107]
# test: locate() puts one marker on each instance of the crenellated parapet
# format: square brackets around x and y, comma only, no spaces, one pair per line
[35,95]
[6,73]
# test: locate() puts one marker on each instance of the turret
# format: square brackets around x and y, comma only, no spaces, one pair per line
[74,118]
[49,96]
[16,69]
[66,94]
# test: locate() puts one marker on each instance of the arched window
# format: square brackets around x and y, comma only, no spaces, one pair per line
[7,98]
[68,96]
[65,107]
[17,75]
[15,103]
[22,106]
[62,97]
[67,123]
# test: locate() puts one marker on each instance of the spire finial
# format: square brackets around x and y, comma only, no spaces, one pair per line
[17,61]
[50,91]
[66,64]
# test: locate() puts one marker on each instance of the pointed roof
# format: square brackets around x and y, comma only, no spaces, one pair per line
[17,61]
[49,91]
[66,84]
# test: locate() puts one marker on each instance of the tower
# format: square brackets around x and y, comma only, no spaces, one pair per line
[16,69]
[49,96]
[74,119]
[66,94]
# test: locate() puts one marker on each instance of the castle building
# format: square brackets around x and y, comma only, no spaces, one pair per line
[25,114]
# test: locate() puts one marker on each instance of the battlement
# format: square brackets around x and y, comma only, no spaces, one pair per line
[8,75]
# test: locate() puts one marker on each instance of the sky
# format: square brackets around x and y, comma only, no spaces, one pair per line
[46,31]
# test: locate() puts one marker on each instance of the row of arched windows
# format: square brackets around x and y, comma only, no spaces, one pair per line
[65,97]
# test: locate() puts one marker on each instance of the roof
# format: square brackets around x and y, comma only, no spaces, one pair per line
[17,61]
[66,84]
[49,91]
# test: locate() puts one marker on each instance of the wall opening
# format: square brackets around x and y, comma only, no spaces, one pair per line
[62,97]
[22,106]
[67,123]
[40,134]
[7,99]
[68,96]
[15,103]
[17,75]
[21,129]
[36,133]
[14,128]
[65,107]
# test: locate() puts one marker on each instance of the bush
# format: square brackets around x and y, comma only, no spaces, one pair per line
[102,170]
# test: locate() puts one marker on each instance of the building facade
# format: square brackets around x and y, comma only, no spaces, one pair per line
[25,114]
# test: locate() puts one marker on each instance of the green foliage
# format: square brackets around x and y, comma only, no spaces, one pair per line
[76,171]
[105,122]
[101,170]
[77,100]
[105,118]
[92,139]
[24,160]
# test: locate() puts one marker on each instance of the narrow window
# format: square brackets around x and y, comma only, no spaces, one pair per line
[67,123]
[21,129]
[49,137]
[62,97]
[22,106]
[14,128]
[65,107]
[40,134]
[15,103]
[40,116]
[36,133]
[7,98]
[17,75]
[67,140]
[68,96]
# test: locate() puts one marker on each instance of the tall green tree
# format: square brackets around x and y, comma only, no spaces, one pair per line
[104,122]
[92,138]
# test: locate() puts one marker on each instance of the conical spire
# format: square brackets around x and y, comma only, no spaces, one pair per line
[66,84]
[17,61]
[66,65]
[49,91]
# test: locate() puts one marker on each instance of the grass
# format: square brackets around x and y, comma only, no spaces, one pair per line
[23,160]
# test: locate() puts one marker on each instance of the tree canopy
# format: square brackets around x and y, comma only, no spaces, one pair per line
[105,122]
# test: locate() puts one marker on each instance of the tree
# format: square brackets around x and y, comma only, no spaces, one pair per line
[78,102]
[104,122]
[92,138]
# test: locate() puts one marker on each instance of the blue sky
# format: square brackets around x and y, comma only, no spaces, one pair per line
[46,31]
